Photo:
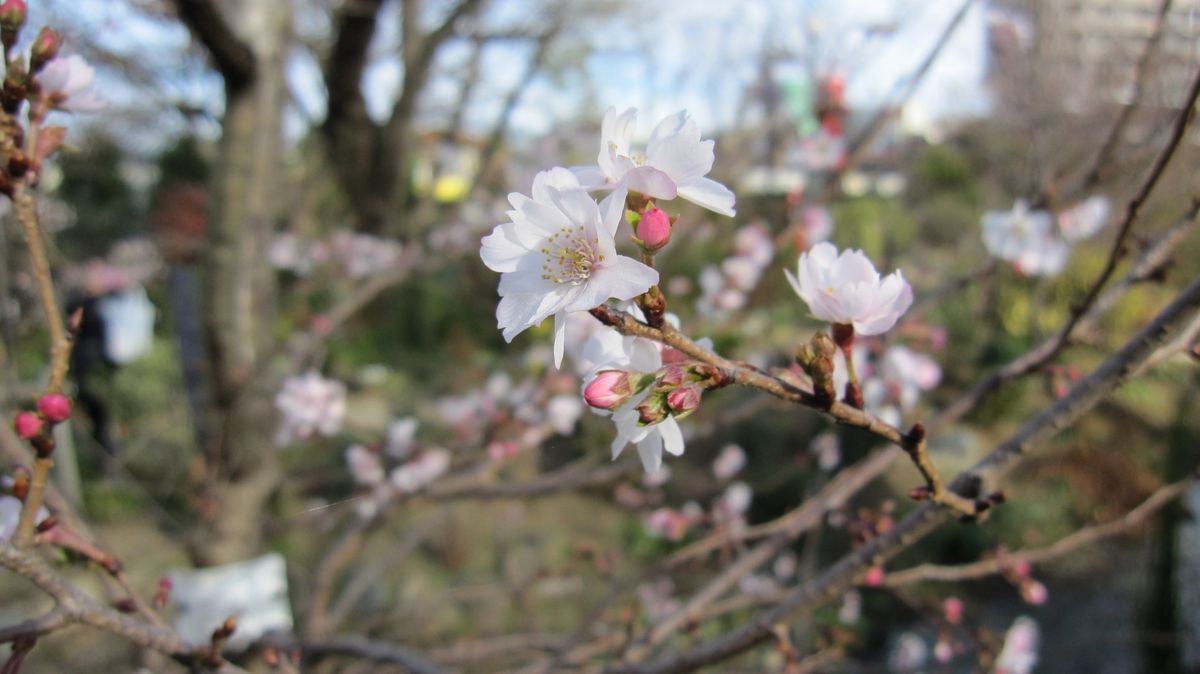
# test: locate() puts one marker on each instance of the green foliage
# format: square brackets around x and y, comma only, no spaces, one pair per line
[106,207]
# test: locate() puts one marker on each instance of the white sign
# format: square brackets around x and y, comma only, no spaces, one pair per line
[255,592]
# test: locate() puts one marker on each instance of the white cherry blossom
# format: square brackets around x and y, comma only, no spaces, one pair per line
[1085,219]
[67,83]
[558,255]
[675,162]
[1027,239]
[309,405]
[846,289]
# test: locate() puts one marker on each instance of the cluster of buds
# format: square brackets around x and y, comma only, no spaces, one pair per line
[816,359]
[36,426]
[675,389]
[47,82]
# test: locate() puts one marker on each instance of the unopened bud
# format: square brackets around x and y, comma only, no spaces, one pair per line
[27,425]
[609,389]
[12,17]
[163,594]
[685,399]
[654,229]
[653,410]
[874,577]
[672,376]
[45,48]
[1033,592]
[54,407]
[920,493]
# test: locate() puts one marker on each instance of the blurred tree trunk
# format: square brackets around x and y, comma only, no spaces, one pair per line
[247,40]
[372,161]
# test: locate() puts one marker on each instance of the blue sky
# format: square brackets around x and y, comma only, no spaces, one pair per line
[683,54]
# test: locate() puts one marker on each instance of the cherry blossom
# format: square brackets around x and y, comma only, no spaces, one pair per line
[729,462]
[845,289]
[907,373]
[415,475]
[365,465]
[363,255]
[401,437]
[1085,219]
[66,83]
[1027,239]
[557,255]
[309,405]
[675,162]
[1019,653]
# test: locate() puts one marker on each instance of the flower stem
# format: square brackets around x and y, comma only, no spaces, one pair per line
[33,501]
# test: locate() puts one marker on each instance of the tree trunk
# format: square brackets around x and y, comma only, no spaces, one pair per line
[242,470]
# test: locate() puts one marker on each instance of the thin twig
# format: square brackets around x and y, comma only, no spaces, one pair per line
[1060,548]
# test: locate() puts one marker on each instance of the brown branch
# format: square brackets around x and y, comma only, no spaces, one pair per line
[734,373]
[233,58]
[374,651]
[51,621]
[1178,318]
[73,606]
[1060,548]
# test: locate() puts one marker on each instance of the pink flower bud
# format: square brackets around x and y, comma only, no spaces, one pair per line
[609,389]
[27,425]
[1022,569]
[1034,592]
[874,577]
[54,407]
[12,14]
[654,229]
[45,48]
[684,399]
[953,609]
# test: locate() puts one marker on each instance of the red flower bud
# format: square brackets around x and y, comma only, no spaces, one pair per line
[654,229]
[27,425]
[54,407]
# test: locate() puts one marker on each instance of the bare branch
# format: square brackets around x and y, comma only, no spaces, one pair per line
[1060,548]
[370,650]
[233,58]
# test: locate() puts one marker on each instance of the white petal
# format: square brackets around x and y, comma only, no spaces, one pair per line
[590,177]
[651,182]
[682,158]
[650,451]
[499,251]
[624,277]
[671,435]
[612,209]
[709,194]
[560,337]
